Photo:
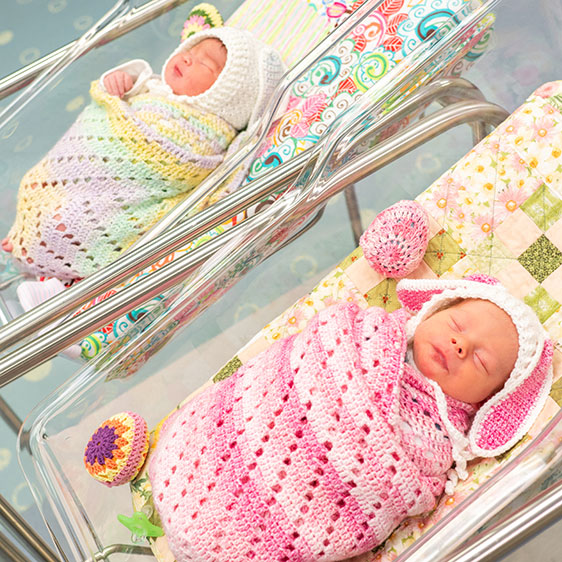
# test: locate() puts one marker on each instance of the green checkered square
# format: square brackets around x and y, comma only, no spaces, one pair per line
[556,101]
[491,256]
[556,392]
[442,253]
[354,256]
[544,207]
[542,303]
[541,258]
[384,295]
[230,368]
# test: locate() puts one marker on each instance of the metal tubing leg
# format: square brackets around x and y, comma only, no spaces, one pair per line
[9,416]
[14,521]
[479,132]
[8,550]
[353,212]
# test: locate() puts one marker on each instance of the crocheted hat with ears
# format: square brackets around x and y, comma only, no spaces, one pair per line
[505,417]
[247,81]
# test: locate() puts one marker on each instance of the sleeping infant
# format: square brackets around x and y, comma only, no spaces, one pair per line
[142,145]
[320,446]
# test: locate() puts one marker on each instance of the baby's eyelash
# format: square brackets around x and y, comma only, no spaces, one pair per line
[456,325]
[479,359]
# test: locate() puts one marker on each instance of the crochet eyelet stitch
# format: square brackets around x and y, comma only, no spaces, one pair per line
[300,455]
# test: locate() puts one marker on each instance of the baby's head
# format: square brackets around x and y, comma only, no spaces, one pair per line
[469,347]
[224,71]
[477,343]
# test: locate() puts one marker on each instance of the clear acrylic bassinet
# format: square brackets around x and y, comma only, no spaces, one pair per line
[80,513]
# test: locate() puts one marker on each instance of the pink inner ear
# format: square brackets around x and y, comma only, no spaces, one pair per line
[414,300]
[507,417]
[482,278]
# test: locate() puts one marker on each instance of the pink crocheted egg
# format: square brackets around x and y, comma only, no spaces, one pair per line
[117,450]
[395,242]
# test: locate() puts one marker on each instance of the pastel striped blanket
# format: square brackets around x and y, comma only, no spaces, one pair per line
[314,450]
[119,168]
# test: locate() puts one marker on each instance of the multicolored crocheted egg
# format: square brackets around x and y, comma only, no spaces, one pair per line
[117,450]
[203,16]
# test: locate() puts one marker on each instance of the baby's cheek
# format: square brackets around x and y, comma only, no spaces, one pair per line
[417,354]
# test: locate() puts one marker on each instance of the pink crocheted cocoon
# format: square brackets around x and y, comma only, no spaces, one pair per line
[313,451]
[395,242]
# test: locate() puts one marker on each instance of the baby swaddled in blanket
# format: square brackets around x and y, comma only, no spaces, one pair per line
[320,446]
[144,142]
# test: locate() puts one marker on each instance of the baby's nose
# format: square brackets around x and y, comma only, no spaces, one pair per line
[459,345]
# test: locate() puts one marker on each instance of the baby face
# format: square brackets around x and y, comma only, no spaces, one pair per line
[194,71]
[469,349]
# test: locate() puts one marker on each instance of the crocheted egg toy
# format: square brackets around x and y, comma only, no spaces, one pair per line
[203,16]
[117,450]
[395,242]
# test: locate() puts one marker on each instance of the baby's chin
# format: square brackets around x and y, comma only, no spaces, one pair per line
[188,91]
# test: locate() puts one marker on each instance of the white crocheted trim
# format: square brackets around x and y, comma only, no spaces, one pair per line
[437,300]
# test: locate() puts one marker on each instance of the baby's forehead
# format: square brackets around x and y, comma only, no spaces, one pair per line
[481,309]
[210,43]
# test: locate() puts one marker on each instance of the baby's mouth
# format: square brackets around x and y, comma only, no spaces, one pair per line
[440,358]
[177,71]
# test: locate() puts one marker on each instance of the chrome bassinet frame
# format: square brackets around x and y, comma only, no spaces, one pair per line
[178,228]
[536,514]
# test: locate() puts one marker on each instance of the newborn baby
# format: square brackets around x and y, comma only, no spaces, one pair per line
[321,445]
[142,145]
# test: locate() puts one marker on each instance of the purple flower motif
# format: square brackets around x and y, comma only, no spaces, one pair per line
[101,445]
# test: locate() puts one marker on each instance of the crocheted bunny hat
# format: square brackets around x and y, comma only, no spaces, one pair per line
[506,416]
[247,81]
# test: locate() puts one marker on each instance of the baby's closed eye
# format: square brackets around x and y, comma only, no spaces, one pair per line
[479,360]
[456,325]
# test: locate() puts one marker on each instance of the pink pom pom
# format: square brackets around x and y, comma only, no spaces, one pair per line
[395,242]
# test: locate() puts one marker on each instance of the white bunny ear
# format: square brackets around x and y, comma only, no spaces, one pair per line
[414,293]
